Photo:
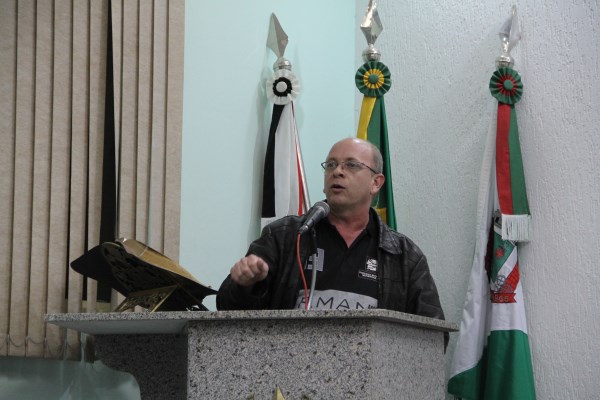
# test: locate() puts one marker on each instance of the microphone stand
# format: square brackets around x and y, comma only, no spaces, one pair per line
[313,276]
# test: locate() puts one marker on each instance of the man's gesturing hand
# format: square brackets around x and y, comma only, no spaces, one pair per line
[249,270]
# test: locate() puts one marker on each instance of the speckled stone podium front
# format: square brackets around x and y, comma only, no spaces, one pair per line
[363,354]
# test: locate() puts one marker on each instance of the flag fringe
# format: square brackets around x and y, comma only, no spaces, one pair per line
[516,228]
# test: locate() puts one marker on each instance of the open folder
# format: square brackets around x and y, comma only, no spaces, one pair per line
[144,276]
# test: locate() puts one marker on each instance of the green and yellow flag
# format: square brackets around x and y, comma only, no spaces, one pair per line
[373,80]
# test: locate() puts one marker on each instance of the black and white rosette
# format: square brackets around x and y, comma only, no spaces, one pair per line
[282,87]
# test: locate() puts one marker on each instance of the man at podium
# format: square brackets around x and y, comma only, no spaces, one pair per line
[360,262]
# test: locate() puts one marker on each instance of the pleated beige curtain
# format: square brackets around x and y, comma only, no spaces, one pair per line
[52,88]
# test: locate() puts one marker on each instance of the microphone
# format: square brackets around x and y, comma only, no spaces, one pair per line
[314,215]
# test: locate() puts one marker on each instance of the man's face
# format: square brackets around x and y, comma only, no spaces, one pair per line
[348,189]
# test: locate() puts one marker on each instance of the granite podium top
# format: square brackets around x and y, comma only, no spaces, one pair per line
[174,322]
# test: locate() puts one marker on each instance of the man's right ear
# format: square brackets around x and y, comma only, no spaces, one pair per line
[378,181]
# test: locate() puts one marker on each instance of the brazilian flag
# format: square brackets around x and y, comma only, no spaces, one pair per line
[373,80]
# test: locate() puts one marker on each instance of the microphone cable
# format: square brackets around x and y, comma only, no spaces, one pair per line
[313,276]
[302,271]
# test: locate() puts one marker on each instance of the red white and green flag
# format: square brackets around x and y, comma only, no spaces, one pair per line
[492,359]
[284,184]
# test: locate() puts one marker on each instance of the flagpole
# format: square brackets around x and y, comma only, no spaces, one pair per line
[305,198]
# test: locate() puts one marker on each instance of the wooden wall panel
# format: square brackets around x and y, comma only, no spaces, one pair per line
[8,73]
[144,118]
[59,180]
[40,239]
[159,109]
[23,173]
[128,122]
[97,83]
[174,128]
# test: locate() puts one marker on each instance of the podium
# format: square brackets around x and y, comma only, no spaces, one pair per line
[360,354]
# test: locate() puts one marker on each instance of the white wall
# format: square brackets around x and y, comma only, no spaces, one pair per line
[439,109]
[226,115]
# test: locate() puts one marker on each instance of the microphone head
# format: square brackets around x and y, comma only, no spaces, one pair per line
[324,206]
[316,213]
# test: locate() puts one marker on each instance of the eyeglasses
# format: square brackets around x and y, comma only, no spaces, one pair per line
[351,165]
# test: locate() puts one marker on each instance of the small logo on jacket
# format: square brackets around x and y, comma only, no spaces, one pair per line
[369,271]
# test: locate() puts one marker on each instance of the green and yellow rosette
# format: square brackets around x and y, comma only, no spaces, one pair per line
[373,79]
[506,85]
